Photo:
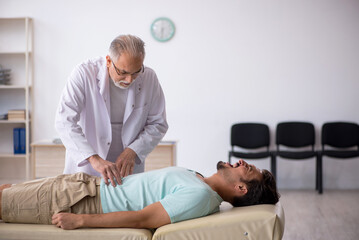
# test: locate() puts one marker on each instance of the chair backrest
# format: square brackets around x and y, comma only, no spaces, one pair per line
[250,135]
[295,134]
[340,134]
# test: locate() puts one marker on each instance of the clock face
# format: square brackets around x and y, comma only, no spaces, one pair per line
[162,29]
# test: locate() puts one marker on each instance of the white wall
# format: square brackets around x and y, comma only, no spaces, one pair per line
[230,61]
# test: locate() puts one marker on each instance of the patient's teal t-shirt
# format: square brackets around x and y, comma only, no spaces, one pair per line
[182,194]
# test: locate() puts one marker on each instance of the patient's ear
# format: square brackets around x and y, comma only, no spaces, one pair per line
[241,188]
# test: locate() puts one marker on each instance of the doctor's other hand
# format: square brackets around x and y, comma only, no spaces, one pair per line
[126,162]
[107,169]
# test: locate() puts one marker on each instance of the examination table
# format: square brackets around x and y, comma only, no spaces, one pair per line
[260,222]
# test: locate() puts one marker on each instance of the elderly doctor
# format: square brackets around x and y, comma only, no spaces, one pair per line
[111,113]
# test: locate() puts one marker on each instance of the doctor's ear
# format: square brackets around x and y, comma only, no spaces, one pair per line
[108,61]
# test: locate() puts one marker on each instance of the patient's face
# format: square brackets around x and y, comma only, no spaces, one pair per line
[240,170]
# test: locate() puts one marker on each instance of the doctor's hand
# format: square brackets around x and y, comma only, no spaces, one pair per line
[126,161]
[107,169]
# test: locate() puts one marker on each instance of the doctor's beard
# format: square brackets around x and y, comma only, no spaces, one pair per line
[118,84]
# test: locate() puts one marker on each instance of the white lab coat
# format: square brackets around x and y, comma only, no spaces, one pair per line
[83,116]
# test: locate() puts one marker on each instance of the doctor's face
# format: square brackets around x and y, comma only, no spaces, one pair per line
[125,70]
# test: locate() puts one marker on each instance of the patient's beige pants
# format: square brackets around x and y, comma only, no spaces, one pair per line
[36,201]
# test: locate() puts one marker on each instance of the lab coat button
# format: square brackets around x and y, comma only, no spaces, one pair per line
[108,143]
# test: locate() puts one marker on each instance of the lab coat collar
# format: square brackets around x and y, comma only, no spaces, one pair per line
[104,84]
[133,91]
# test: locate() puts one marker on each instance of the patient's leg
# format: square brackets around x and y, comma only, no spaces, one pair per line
[2,187]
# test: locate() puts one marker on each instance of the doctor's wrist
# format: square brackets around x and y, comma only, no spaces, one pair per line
[93,158]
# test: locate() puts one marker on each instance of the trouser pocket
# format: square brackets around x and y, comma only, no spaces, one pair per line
[70,189]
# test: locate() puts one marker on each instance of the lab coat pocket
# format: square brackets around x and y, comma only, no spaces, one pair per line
[135,123]
[139,115]
[140,106]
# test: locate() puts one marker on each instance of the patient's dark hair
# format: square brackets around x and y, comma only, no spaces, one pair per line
[259,192]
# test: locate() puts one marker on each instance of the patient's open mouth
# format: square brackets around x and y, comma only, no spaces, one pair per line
[237,164]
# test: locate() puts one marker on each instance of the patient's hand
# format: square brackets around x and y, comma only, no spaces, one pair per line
[67,221]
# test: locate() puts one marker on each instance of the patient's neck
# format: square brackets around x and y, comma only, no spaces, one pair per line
[220,186]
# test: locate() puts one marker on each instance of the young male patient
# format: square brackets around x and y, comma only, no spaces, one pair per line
[145,200]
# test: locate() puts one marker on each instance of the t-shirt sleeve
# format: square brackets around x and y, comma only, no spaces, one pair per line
[187,203]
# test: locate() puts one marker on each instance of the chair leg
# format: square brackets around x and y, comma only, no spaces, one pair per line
[274,166]
[320,173]
[317,173]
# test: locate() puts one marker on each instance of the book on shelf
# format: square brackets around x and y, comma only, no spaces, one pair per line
[19,141]
[16,139]
[3,116]
[4,76]
[16,114]
[22,140]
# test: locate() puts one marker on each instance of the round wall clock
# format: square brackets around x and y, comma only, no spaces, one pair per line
[162,29]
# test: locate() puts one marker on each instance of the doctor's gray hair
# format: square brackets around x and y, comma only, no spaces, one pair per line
[127,44]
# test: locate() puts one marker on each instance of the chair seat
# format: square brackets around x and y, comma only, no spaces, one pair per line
[296,155]
[251,155]
[340,154]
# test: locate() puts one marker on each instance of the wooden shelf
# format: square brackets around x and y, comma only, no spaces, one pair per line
[13,18]
[14,52]
[16,48]
[12,121]
[13,87]
[11,155]
[11,181]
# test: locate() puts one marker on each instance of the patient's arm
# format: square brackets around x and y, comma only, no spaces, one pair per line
[152,216]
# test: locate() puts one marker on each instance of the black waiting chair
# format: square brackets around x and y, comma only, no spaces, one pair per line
[340,140]
[299,139]
[252,139]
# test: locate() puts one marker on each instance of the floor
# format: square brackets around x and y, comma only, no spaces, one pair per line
[334,215]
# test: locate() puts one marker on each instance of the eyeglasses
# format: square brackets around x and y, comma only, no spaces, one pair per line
[124,74]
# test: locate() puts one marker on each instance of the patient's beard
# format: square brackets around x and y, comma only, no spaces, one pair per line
[220,165]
